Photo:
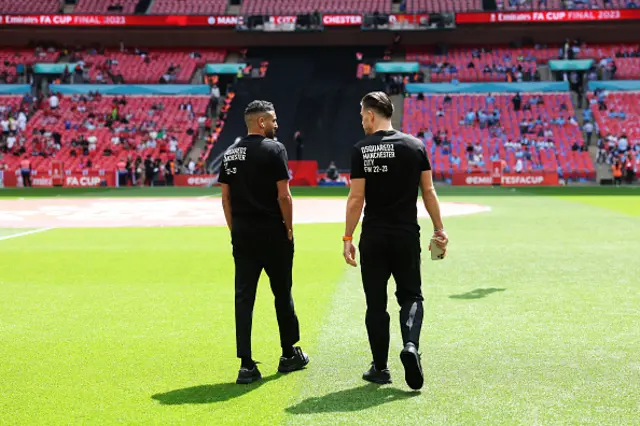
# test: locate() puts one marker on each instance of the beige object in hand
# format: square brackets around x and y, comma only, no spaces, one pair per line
[436,252]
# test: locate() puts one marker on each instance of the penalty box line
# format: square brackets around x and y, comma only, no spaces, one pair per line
[25,233]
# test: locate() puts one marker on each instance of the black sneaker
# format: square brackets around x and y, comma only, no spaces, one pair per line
[412,368]
[373,375]
[248,375]
[297,362]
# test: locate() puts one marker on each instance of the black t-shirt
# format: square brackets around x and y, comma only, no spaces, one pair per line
[251,167]
[391,163]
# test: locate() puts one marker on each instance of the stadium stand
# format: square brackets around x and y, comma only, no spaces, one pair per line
[14,62]
[501,63]
[189,7]
[457,140]
[618,114]
[428,6]
[512,5]
[483,65]
[30,6]
[103,130]
[149,66]
[112,7]
[258,7]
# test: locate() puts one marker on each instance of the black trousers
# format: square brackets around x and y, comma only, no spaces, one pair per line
[26,179]
[382,256]
[272,252]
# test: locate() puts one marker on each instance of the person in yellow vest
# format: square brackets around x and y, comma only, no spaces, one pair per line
[617,173]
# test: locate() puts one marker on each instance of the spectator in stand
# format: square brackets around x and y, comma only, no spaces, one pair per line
[215,91]
[192,167]
[588,130]
[519,166]
[470,118]
[517,101]
[623,144]
[54,101]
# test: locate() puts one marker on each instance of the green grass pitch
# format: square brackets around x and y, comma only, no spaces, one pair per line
[533,319]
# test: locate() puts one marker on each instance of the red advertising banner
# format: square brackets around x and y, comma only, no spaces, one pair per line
[72,180]
[341,20]
[14,179]
[508,179]
[57,173]
[303,173]
[409,19]
[195,180]
[120,20]
[329,20]
[93,180]
[496,172]
[548,16]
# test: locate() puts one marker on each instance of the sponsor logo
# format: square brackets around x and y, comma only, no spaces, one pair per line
[478,180]
[41,181]
[342,20]
[202,180]
[83,181]
[211,20]
[523,180]
[226,20]
[280,20]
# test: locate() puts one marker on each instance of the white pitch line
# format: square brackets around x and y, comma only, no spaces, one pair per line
[22,234]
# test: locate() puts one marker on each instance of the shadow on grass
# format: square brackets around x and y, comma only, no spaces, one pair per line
[209,394]
[478,293]
[355,399]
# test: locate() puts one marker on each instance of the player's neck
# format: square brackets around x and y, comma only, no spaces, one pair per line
[255,133]
[383,127]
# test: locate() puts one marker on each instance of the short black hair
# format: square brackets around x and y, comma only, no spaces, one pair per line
[255,107]
[379,102]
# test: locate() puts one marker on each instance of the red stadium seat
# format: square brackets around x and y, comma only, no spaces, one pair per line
[30,6]
[189,7]
[258,7]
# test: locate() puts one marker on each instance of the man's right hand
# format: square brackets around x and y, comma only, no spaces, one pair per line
[290,234]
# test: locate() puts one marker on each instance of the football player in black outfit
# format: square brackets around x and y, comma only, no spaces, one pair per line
[387,168]
[258,210]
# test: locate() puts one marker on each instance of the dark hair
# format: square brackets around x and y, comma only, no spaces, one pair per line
[258,107]
[379,103]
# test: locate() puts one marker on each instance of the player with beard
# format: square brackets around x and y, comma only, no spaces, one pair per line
[387,168]
[259,212]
